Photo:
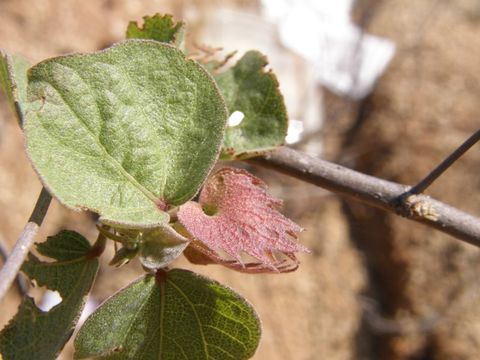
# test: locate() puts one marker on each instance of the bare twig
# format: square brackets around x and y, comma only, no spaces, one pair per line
[23,244]
[3,252]
[15,260]
[22,285]
[440,169]
[375,192]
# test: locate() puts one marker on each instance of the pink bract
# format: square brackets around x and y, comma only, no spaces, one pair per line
[241,218]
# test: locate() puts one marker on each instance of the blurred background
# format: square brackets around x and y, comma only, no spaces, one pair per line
[387,87]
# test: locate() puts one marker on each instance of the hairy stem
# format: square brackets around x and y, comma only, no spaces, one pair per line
[386,195]
[23,244]
[445,164]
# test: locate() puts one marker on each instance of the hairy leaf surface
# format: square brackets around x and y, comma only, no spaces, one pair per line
[175,315]
[247,87]
[34,334]
[157,27]
[161,246]
[13,80]
[125,132]
[235,214]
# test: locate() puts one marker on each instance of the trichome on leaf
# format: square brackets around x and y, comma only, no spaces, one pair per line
[246,220]
[119,132]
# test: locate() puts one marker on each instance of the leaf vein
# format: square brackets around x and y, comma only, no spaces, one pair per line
[107,155]
[192,305]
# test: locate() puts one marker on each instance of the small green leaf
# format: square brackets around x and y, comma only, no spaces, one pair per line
[248,88]
[123,256]
[13,80]
[158,27]
[160,246]
[175,315]
[67,245]
[34,334]
[126,132]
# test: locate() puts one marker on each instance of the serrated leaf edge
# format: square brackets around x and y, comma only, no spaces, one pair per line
[226,153]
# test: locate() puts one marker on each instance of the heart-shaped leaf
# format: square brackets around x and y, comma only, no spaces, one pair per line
[236,215]
[248,88]
[175,315]
[157,27]
[34,334]
[126,132]
[13,81]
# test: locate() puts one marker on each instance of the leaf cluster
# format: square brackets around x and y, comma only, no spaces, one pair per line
[132,133]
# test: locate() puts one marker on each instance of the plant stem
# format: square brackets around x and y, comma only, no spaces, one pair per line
[24,242]
[445,164]
[386,195]
[16,258]
[99,246]
[21,284]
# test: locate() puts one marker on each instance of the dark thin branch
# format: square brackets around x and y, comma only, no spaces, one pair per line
[41,207]
[440,169]
[23,244]
[382,194]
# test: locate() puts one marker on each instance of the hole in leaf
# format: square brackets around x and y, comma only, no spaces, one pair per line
[235,118]
[45,299]
[295,131]
[209,210]
[50,299]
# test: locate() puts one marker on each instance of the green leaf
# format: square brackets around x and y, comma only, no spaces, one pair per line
[247,87]
[158,27]
[67,245]
[175,315]
[126,132]
[123,256]
[161,246]
[13,81]
[34,334]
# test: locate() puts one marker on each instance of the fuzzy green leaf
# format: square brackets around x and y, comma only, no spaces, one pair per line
[158,27]
[247,87]
[34,334]
[161,246]
[126,132]
[13,80]
[68,245]
[175,315]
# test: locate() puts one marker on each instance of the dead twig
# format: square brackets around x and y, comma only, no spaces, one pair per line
[10,270]
[20,282]
[386,195]
[445,164]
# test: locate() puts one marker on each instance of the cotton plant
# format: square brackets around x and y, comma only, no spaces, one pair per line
[132,133]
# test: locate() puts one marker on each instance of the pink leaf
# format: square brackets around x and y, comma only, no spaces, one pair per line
[198,254]
[236,215]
